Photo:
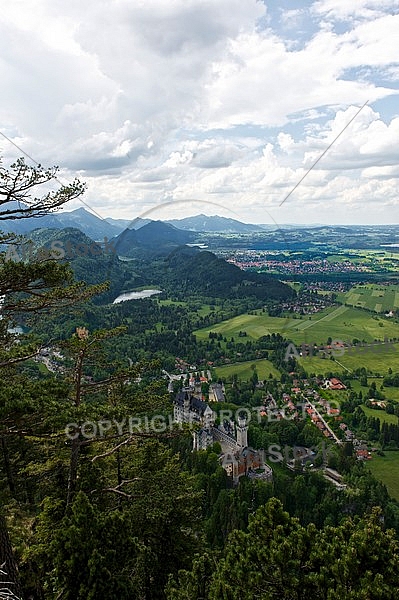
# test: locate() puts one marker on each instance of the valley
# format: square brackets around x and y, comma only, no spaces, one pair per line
[301,338]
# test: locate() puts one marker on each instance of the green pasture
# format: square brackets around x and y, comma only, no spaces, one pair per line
[379,298]
[244,371]
[204,310]
[375,360]
[390,393]
[381,415]
[254,325]
[340,323]
[386,469]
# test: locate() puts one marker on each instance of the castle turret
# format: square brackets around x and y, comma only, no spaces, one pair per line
[208,418]
[186,406]
[242,433]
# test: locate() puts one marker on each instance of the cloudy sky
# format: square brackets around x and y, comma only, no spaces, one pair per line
[209,106]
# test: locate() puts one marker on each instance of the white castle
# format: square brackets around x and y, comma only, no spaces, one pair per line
[237,458]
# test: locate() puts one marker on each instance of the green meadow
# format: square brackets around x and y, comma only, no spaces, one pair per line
[338,322]
[255,326]
[375,360]
[379,298]
[381,415]
[244,370]
[386,469]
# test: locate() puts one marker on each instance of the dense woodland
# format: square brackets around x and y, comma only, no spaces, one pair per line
[96,511]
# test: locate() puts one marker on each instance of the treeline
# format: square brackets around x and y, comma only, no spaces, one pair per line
[280,558]
[391,380]
[371,428]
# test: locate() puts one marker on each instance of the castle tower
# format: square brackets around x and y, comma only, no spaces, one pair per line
[242,433]
[186,408]
[208,418]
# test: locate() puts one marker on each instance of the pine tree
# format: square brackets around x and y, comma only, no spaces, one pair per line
[28,287]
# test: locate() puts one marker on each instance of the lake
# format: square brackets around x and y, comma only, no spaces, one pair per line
[135,295]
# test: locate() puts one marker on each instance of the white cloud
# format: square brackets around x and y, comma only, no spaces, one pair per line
[341,10]
[202,99]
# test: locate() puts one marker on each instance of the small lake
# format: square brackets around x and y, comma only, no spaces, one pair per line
[17,330]
[136,295]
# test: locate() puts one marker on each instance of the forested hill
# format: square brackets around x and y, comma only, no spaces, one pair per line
[190,270]
[154,239]
[180,269]
[90,261]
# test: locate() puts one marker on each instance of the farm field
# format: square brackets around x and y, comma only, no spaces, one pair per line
[243,370]
[386,469]
[340,323]
[255,326]
[379,298]
[377,360]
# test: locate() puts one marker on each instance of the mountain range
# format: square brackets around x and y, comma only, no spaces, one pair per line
[214,224]
[164,259]
[98,229]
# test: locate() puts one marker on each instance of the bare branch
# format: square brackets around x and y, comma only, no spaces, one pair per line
[115,449]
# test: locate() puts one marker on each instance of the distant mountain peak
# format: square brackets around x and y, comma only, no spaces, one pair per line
[157,237]
[214,224]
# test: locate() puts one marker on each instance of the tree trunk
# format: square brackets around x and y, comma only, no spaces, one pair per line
[73,469]
[7,561]
[118,462]
[7,466]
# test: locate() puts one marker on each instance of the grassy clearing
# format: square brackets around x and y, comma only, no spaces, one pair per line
[386,469]
[204,310]
[376,360]
[254,325]
[391,393]
[381,415]
[296,285]
[243,370]
[171,303]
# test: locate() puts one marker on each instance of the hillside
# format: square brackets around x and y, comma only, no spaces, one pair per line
[190,270]
[154,239]
[163,260]
[90,261]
